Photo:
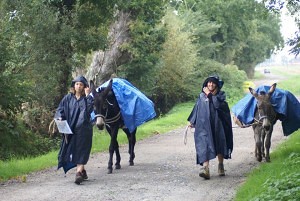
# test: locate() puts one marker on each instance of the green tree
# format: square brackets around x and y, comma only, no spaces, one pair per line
[134,43]
[260,44]
[42,43]
[293,7]
[239,20]
[177,62]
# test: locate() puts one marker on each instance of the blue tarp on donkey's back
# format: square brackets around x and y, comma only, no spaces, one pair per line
[136,108]
[284,103]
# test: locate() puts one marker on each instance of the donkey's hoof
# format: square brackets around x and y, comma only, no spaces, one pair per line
[118,166]
[109,171]
[259,159]
[131,163]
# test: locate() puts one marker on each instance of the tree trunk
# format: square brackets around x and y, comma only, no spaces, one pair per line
[105,63]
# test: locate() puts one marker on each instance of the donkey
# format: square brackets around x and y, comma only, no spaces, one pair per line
[108,115]
[265,117]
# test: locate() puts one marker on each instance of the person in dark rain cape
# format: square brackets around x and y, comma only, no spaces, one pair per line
[76,107]
[213,129]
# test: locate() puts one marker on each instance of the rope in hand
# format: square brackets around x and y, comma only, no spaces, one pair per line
[185,134]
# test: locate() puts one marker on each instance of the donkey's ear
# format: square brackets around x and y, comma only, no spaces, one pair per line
[108,88]
[253,92]
[110,84]
[272,89]
[92,87]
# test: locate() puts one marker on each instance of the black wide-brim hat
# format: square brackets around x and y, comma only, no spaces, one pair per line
[214,79]
[80,78]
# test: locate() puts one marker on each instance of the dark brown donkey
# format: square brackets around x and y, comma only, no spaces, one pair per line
[108,115]
[264,119]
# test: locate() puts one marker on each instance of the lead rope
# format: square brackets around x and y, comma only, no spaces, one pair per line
[185,134]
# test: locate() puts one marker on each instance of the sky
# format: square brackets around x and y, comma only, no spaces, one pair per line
[288,30]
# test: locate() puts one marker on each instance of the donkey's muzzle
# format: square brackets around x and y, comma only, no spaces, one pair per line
[100,122]
[267,127]
[100,127]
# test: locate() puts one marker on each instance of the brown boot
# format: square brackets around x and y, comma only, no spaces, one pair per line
[78,178]
[205,174]
[84,175]
[221,170]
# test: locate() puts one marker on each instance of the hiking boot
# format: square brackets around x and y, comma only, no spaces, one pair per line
[205,174]
[78,178]
[221,170]
[84,175]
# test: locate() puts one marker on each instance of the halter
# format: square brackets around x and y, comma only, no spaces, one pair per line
[261,118]
[110,120]
[258,121]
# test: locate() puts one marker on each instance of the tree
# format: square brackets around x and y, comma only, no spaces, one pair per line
[239,20]
[176,64]
[133,43]
[260,44]
[293,7]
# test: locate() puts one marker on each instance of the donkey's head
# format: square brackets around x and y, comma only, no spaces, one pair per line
[265,113]
[101,103]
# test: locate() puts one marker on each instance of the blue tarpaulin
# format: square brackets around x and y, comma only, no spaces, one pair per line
[284,103]
[136,108]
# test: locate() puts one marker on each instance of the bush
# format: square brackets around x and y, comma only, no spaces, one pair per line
[18,142]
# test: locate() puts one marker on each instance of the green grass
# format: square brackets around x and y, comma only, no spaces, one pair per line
[278,180]
[292,84]
[18,168]
[176,118]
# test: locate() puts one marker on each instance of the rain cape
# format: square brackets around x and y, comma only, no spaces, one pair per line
[284,103]
[136,108]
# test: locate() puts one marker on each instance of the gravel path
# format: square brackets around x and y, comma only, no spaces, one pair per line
[164,169]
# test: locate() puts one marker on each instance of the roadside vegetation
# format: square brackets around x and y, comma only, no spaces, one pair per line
[278,180]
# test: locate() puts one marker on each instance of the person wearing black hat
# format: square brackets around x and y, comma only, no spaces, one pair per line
[212,122]
[76,107]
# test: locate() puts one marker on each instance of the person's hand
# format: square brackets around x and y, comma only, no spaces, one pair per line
[87,91]
[206,90]
[191,125]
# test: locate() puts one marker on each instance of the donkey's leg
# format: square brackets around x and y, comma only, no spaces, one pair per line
[263,138]
[111,154]
[268,144]
[258,143]
[112,147]
[131,143]
[118,156]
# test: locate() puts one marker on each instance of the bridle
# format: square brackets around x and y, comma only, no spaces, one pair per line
[258,121]
[260,118]
[110,120]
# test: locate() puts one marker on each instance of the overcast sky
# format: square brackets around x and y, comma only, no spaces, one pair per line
[288,30]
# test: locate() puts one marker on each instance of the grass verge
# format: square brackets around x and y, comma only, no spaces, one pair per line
[278,180]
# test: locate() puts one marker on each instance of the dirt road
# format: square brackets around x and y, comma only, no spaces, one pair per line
[164,170]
